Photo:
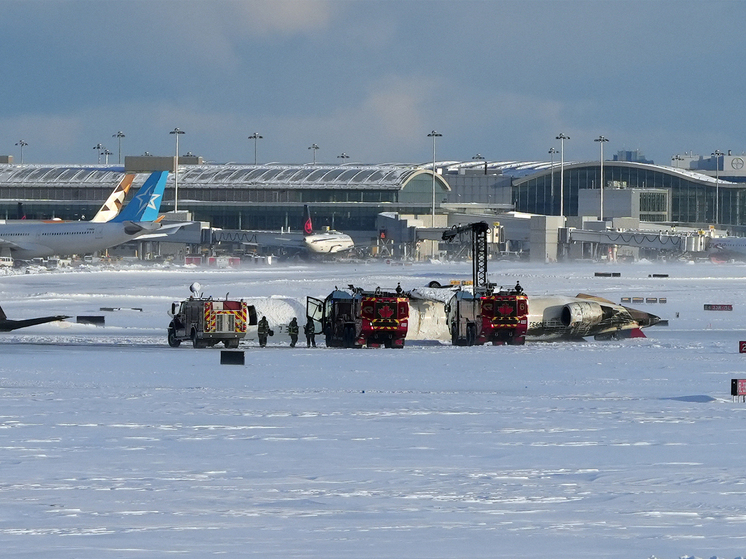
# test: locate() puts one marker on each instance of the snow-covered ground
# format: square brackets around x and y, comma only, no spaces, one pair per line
[114,445]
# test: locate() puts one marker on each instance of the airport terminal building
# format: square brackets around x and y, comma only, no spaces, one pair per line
[349,197]
[345,197]
[663,194]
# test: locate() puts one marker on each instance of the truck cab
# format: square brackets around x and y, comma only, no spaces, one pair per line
[357,318]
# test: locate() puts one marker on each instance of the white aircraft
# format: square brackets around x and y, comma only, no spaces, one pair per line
[735,246]
[550,318]
[325,242]
[24,241]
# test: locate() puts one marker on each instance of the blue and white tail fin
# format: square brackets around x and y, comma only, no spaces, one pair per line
[145,205]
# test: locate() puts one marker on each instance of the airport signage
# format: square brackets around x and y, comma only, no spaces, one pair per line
[742,347]
[737,387]
[718,307]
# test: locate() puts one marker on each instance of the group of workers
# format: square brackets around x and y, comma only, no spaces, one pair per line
[264,331]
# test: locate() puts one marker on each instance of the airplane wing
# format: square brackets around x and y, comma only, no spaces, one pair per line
[164,231]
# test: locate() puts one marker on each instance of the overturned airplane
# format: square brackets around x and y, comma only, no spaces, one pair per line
[447,315]
[7,325]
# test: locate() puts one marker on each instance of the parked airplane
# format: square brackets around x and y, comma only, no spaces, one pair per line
[24,241]
[8,325]
[115,201]
[111,208]
[325,242]
[289,243]
[728,246]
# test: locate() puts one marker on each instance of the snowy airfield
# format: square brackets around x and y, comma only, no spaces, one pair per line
[113,445]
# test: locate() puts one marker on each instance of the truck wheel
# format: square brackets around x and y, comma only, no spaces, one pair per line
[196,342]
[230,344]
[173,341]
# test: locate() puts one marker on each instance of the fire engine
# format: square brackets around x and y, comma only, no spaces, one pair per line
[357,318]
[208,321]
[484,315]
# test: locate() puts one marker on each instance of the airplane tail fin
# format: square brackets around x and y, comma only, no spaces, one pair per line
[115,201]
[2,314]
[307,223]
[145,205]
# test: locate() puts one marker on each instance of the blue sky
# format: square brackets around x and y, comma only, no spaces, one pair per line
[370,78]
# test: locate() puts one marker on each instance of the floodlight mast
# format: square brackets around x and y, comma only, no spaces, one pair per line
[176,132]
[562,137]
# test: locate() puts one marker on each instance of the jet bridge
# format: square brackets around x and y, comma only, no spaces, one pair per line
[677,242]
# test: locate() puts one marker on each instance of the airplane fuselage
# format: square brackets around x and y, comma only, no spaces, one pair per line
[728,245]
[38,240]
[329,242]
[568,318]
[550,318]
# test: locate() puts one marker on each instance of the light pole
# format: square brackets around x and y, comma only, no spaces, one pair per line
[313,147]
[106,153]
[717,153]
[480,157]
[176,132]
[98,148]
[255,136]
[434,135]
[343,156]
[601,140]
[22,143]
[552,151]
[562,139]
[119,135]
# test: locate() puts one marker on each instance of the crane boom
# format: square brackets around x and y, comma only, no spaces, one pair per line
[479,250]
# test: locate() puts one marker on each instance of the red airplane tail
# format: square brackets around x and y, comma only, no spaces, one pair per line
[307,223]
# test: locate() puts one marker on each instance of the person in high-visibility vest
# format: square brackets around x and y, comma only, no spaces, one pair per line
[310,331]
[263,331]
[293,330]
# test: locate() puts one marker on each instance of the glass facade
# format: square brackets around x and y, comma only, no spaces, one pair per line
[346,197]
[692,195]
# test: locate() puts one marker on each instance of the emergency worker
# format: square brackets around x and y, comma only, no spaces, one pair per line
[263,331]
[310,331]
[293,330]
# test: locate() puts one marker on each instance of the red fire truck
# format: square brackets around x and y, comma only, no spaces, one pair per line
[357,318]
[484,315]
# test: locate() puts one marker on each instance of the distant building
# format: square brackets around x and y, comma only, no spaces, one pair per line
[634,156]
[727,166]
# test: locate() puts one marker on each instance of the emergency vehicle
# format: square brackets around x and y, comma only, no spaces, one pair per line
[483,315]
[357,318]
[487,317]
[208,321]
